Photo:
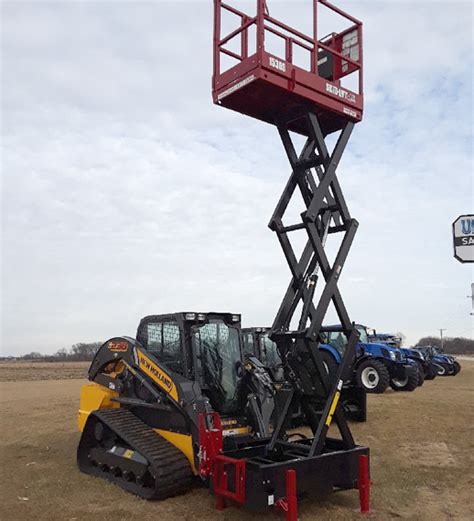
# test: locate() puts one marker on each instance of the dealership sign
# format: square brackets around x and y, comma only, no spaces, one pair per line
[463,237]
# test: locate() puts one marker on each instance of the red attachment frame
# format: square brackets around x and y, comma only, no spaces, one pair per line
[210,442]
[261,83]
[221,479]
[216,466]
[364,484]
[289,504]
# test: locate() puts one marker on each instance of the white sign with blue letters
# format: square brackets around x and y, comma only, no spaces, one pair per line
[463,238]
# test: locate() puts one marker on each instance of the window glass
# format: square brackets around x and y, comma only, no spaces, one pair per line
[363,335]
[171,341]
[154,339]
[218,347]
[249,344]
[164,341]
[338,340]
[270,354]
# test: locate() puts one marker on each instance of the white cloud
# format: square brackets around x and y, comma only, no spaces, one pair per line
[126,192]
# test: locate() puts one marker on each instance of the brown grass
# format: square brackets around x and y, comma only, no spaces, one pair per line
[421,448]
[33,371]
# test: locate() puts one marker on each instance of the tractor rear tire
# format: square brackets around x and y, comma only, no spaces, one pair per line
[330,364]
[373,376]
[421,375]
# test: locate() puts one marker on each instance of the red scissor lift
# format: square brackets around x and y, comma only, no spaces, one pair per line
[312,101]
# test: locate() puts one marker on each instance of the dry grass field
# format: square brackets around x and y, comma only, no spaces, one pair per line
[421,445]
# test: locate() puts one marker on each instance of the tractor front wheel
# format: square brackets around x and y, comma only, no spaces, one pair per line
[409,383]
[373,376]
[442,370]
[457,368]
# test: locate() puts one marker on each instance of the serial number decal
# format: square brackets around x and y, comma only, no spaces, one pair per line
[235,87]
[277,64]
[159,376]
[117,347]
[341,93]
[349,112]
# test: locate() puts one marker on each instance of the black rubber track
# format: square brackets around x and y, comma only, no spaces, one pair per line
[168,467]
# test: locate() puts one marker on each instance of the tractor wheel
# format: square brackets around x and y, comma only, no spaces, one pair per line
[330,364]
[457,368]
[421,375]
[373,376]
[432,372]
[442,370]
[409,383]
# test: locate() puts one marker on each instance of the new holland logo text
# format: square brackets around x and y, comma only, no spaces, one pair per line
[341,93]
[158,375]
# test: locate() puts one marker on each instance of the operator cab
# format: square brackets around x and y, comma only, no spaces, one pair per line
[258,343]
[204,347]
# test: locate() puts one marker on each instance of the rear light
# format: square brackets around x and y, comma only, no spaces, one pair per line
[235,318]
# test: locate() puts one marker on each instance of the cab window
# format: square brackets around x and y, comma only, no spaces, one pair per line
[249,344]
[270,354]
[164,341]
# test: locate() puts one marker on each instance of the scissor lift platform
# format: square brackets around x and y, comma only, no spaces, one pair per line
[313,102]
[267,86]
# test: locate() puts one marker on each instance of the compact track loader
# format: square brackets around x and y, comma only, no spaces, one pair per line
[140,415]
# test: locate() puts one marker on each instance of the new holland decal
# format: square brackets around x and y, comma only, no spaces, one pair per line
[158,375]
[117,346]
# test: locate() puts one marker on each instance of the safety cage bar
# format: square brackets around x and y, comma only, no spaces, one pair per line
[345,48]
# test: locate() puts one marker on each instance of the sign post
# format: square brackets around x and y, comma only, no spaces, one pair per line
[463,238]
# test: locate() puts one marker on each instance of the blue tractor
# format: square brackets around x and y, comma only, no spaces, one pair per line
[376,365]
[426,369]
[445,365]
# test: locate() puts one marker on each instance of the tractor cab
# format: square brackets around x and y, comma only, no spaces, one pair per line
[204,347]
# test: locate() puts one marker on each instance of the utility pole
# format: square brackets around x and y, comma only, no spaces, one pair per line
[471,296]
[441,335]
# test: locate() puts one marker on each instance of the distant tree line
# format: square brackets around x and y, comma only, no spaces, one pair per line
[81,352]
[460,346]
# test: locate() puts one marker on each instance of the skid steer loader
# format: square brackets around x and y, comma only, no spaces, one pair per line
[256,342]
[141,416]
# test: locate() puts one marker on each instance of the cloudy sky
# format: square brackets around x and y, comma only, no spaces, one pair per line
[126,192]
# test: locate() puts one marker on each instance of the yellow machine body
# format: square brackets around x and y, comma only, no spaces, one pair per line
[94,397]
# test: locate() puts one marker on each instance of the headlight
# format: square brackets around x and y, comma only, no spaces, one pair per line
[393,356]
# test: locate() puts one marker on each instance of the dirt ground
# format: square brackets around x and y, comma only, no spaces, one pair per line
[421,448]
[28,371]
